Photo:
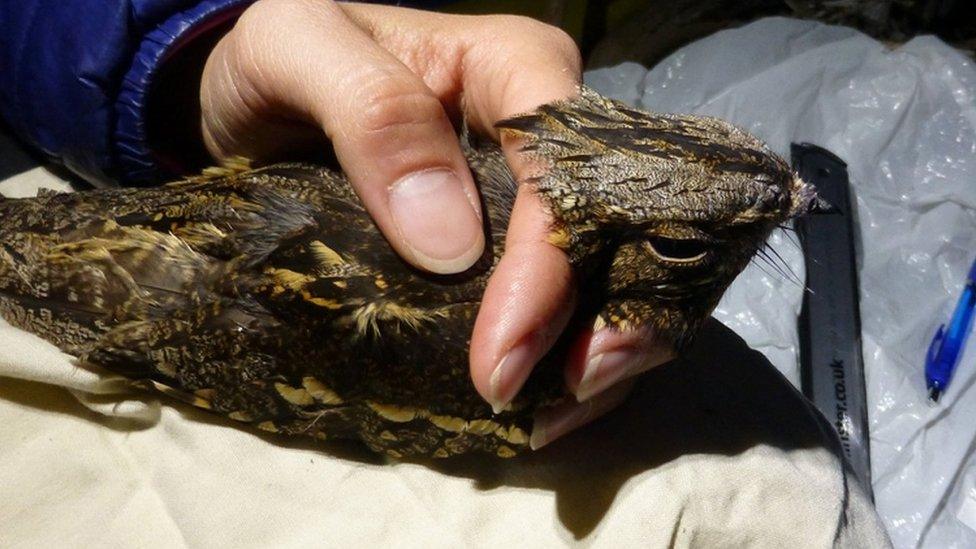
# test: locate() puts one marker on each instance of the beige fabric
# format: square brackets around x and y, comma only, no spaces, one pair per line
[715,451]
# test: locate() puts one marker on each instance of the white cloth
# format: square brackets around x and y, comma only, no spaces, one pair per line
[717,450]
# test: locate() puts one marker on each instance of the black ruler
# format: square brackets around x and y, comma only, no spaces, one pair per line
[831,363]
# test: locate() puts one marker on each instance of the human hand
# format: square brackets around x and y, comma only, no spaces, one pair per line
[383,84]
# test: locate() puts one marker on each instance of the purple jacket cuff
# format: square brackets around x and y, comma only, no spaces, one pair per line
[136,161]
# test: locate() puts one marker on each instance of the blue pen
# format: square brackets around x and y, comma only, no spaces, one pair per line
[947,345]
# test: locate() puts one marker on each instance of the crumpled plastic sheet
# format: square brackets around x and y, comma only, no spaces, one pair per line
[904,119]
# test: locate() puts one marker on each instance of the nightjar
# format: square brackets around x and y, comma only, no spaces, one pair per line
[269,295]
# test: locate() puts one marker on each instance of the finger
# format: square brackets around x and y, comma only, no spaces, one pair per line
[530,296]
[527,303]
[569,415]
[390,132]
[604,358]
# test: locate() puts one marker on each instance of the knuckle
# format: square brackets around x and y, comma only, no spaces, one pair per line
[557,38]
[563,45]
[263,41]
[541,37]
[251,31]
[265,10]
[256,17]
[514,24]
[392,106]
[271,22]
[247,64]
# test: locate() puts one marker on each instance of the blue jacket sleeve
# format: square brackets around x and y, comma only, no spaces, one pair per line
[74,75]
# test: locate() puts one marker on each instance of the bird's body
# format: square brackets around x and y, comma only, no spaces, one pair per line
[270,296]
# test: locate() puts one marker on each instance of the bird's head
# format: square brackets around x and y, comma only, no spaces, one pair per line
[658,212]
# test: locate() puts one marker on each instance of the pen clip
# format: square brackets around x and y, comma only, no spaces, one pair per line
[935,346]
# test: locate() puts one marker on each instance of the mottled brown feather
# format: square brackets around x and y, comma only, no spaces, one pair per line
[270,296]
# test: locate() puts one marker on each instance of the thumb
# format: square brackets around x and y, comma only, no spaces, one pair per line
[390,132]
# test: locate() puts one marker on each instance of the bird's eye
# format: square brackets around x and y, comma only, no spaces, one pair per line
[677,250]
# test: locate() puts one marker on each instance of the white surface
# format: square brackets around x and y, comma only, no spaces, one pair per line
[718,451]
[905,122]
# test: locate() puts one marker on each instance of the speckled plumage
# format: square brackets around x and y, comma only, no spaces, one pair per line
[269,295]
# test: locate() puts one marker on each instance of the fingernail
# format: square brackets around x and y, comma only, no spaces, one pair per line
[568,415]
[555,422]
[604,370]
[512,371]
[437,220]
